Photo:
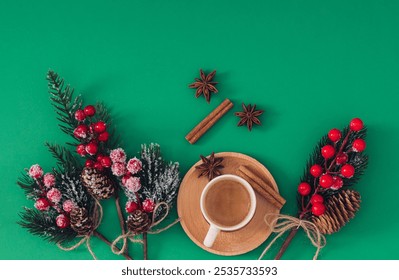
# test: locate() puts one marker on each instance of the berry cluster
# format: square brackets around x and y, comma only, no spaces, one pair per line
[335,169]
[50,197]
[127,173]
[90,133]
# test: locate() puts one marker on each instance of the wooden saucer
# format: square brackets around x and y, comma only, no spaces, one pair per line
[227,243]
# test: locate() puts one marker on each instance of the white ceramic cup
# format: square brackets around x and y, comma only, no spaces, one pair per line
[215,229]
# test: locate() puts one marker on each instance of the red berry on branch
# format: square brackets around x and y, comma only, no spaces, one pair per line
[342,158]
[356,124]
[98,166]
[62,221]
[347,171]
[318,209]
[81,150]
[316,198]
[35,171]
[106,161]
[54,195]
[68,205]
[103,137]
[338,183]
[326,181]
[81,131]
[42,204]
[316,170]
[91,148]
[148,205]
[334,135]
[359,145]
[89,110]
[80,115]
[131,206]
[49,180]
[100,127]
[99,158]
[327,151]
[304,188]
[89,163]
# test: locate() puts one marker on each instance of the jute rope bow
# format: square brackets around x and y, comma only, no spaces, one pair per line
[283,223]
[97,217]
[131,236]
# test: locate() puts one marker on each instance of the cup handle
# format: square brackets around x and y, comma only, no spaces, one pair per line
[211,236]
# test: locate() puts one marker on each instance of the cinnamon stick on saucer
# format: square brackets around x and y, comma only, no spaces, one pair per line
[260,186]
[209,121]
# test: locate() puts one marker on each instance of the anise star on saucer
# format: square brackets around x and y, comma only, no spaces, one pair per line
[249,116]
[204,85]
[210,166]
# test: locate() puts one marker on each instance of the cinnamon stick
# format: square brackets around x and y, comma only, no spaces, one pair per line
[260,186]
[209,121]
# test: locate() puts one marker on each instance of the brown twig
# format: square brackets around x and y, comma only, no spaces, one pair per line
[121,219]
[145,249]
[286,243]
[104,239]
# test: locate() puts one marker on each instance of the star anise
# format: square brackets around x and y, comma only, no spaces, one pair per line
[210,166]
[204,85]
[249,116]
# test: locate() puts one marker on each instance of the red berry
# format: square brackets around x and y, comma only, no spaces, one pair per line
[356,124]
[359,145]
[316,170]
[42,204]
[304,188]
[98,166]
[347,171]
[103,137]
[81,131]
[327,151]
[81,150]
[318,209]
[316,198]
[99,158]
[131,206]
[91,148]
[338,183]
[80,115]
[89,163]
[62,221]
[342,158]
[106,161]
[100,126]
[334,135]
[148,205]
[326,181]
[89,110]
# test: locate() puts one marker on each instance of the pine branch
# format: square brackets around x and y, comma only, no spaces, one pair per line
[32,190]
[63,102]
[66,161]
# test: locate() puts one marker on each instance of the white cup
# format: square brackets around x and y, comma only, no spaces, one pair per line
[214,229]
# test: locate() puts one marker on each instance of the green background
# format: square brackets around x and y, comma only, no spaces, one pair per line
[311,65]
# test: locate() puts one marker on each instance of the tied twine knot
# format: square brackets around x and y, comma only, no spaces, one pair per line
[283,223]
[97,217]
[131,236]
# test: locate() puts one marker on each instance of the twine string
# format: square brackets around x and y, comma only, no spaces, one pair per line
[283,223]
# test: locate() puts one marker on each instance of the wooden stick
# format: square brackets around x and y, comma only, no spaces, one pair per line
[261,187]
[209,121]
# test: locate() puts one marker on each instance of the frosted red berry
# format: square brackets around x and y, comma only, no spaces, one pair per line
[91,148]
[327,151]
[334,135]
[100,127]
[338,183]
[347,171]
[318,209]
[106,161]
[341,158]
[81,150]
[80,115]
[316,170]
[326,181]
[316,198]
[304,188]
[148,205]
[359,145]
[62,221]
[103,137]
[131,206]
[54,195]
[42,204]
[356,124]
[81,131]
[89,110]
[35,171]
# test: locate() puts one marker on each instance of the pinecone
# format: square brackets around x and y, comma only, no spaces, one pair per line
[80,221]
[340,208]
[138,222]
[97,183]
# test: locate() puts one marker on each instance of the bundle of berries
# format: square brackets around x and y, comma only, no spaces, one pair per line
[139,219]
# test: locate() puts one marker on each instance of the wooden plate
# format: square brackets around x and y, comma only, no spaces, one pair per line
[227,243]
